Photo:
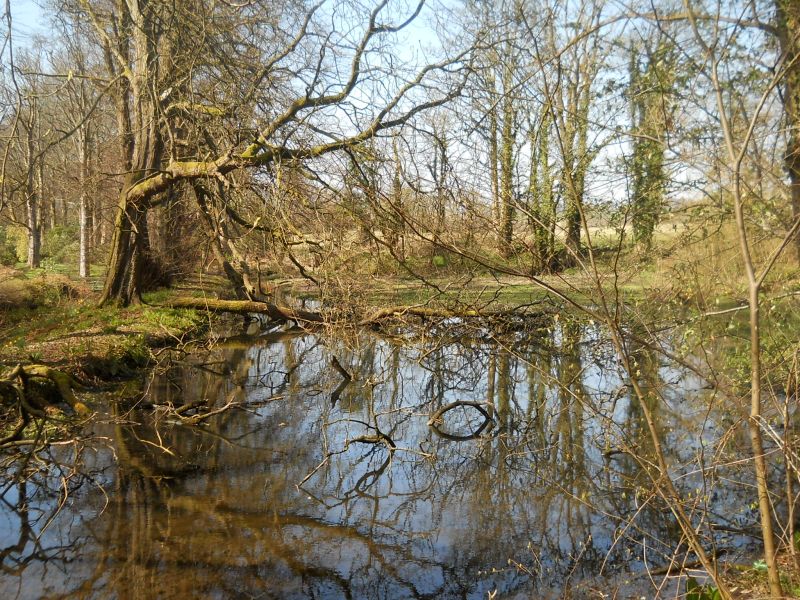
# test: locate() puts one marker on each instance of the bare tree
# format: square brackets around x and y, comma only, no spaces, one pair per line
[164,74]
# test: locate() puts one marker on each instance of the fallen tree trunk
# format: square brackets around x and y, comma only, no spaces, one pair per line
[273,311]
[285,313]
[393,312]
[396,312]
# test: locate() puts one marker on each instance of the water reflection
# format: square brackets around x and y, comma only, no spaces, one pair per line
[289,494]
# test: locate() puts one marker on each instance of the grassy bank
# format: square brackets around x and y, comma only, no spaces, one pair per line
[53,320]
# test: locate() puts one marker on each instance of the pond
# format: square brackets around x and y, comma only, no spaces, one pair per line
[310,485]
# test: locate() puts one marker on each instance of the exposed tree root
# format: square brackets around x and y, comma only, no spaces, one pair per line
[21,388]
[64,382]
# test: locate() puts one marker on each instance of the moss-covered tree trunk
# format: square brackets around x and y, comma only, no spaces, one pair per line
[542,210]
[576,162]
[139,117]
[129,245]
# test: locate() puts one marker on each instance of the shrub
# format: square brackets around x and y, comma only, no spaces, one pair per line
[61,245]
[8,251]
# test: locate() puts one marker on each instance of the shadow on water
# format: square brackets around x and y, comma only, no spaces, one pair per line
[313,485]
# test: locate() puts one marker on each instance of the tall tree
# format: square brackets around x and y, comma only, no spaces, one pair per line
[498,104]
[650,98]
[575,62]
[249,104]
[787,15]
[541,199]
[507,147]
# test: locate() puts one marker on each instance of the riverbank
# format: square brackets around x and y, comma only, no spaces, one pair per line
[55,321]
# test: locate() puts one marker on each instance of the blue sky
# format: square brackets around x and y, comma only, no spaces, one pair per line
[28,19]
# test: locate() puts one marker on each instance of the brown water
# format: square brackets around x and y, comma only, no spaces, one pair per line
[278,498]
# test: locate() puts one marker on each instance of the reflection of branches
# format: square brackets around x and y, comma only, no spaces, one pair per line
[370,478]
[346,380]
[436,420]
[43,491]
[417,501]
[378,438]
[25,529]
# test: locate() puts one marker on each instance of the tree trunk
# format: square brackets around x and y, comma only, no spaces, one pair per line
[142,146]
[494,177]
[572,216]
[129,249]
[52,211]
[507,165]
[85,227]
[398,227]
[788,20]
[542,217]
[243,288]
[757,446]
[32,198]
[34,233]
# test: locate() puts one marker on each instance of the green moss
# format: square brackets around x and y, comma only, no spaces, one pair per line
[106,342]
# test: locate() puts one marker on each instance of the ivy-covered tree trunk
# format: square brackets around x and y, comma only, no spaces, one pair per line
[649,90]
[507,169]
[572,185]
[576,160]
[542,209]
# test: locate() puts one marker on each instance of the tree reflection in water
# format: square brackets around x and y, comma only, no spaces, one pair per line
[542,499]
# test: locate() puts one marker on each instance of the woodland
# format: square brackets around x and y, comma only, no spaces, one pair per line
[436,176]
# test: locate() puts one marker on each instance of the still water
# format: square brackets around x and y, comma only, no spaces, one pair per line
[310,486]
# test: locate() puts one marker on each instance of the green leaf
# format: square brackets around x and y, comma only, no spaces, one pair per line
[695,591]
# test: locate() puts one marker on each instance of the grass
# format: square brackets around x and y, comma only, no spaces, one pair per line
[503,291]
[46,320]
